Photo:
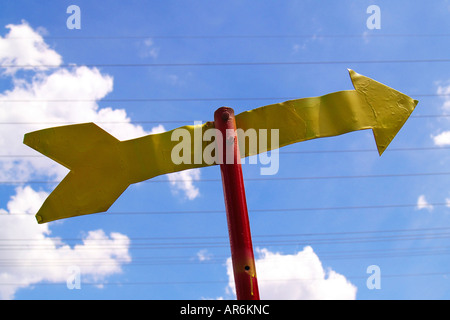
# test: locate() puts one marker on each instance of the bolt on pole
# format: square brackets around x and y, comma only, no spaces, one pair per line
[236,206]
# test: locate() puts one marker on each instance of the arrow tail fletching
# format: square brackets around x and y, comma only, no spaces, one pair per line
[69,145]
[99,172]
[81,193]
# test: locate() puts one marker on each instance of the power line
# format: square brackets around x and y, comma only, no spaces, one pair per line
[208,282]
[151,261]
[280,152]
[227,64]
[288,152]
[238,36]
[224,243]
[160,121]
[363,150]
[396,235]
[267,210]
[418,95]
[368,176]
[271,235]
[214,258]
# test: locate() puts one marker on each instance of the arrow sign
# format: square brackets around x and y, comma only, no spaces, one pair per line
[102,167]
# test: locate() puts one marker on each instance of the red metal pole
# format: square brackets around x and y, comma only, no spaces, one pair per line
[236,206]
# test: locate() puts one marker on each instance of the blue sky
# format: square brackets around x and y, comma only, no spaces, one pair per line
[169,240]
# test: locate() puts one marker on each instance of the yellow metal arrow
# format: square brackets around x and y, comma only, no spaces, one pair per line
[102,167]
[371,106]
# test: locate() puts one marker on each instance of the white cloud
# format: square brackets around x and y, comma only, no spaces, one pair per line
[296,47]
[49,99]
[299,276]
[365,37]
[148,49]
[158,129]
[442,139]
[23,46]
[445,92]
[62,85]
[184,181]
[203,255]
[37,257]
[422,203]
[447,202]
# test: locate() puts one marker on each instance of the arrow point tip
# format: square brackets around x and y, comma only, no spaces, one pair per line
[352,73]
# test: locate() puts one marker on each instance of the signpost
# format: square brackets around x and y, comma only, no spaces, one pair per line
[102,167]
